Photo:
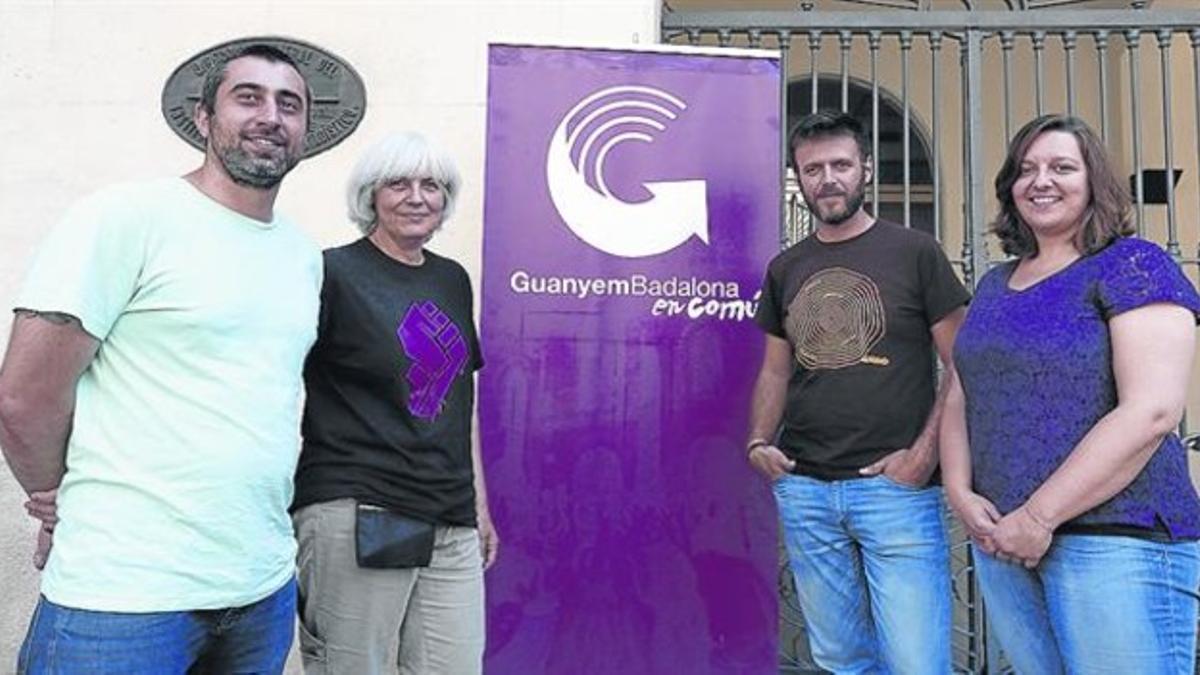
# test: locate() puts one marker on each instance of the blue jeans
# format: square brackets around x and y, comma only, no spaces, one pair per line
[251,639]
[872,571]
[1096,604]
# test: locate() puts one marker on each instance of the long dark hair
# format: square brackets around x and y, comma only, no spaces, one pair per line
[1108,211]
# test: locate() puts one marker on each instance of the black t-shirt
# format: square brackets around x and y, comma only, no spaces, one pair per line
[390,387]
[857,315]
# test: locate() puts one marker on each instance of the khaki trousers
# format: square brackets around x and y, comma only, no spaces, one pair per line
[353,621]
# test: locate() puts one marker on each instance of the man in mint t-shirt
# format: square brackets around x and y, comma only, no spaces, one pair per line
[150,393]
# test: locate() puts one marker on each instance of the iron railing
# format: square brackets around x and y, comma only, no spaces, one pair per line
[961,82]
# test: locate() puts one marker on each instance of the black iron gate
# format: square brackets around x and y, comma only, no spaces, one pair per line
[942,90]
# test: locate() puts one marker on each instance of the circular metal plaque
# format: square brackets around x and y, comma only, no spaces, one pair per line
[339,97]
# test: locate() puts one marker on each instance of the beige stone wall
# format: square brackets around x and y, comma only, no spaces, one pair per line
[80,83]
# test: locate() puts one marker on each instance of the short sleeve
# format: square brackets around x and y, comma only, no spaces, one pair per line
[476,349]
[942,291]
[1138,273]
[768,316]
[89,265]
[329,299]
[464,281]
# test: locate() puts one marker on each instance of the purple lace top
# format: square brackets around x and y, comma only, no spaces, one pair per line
[1036,367]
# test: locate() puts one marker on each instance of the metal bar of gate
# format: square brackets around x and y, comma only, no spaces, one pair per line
[1195,35]
[1101,41]
[873,41]
[785,46]
[1164,50]
[814,46]
[1132,37]
[974,245]
[844,40]
[1068,43]
[967,239]
[935,51]
[905,52]
[974,167]
[1039,76]
[1006,47]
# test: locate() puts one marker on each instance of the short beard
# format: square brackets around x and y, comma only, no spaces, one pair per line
[260,173]
[254,172]
[854,201]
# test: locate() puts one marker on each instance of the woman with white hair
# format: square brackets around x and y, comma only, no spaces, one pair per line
[391,508]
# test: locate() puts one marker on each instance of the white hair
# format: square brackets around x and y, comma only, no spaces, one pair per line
[402,155]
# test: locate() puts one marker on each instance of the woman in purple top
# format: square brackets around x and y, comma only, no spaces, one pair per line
[1057,443]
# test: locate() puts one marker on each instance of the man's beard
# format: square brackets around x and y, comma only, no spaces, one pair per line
[854,201]
[257,172]
[250,170]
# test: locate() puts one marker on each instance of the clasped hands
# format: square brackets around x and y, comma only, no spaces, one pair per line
[1020,537]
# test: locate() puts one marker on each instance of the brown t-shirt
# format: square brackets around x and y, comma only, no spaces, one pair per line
[857,314]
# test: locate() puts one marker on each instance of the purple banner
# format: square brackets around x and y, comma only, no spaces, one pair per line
[632,203]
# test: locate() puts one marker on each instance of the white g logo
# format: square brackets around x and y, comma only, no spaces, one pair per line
[677,209]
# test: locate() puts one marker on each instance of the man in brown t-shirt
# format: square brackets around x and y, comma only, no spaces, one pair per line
[844,416]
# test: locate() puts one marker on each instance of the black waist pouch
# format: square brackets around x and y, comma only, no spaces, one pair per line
[386,540]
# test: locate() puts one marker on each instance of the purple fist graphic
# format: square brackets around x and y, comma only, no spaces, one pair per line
[438,352]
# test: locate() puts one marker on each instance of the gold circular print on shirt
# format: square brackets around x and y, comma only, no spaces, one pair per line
[835,319]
